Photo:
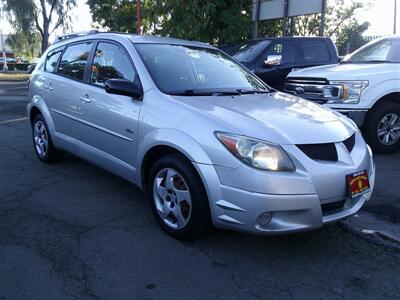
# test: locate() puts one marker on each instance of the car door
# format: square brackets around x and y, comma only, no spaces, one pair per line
[111,120]
[63,89]
[276,63]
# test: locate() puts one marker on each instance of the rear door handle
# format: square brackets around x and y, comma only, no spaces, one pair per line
[85,99]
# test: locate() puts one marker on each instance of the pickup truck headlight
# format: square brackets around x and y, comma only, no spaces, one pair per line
[350,91]
[258,154]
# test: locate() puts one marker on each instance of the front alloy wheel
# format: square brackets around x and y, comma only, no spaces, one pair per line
[382,128]
[178,198]
[389,129]
[172,198]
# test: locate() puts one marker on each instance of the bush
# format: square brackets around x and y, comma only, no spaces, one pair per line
[16,67]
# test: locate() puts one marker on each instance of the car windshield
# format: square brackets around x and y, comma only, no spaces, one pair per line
[186,70]
[249,50]
[385,50]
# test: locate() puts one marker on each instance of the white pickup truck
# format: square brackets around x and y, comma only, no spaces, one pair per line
[365,86]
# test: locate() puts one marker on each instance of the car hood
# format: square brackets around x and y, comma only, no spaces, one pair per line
[343,71]
[275,117]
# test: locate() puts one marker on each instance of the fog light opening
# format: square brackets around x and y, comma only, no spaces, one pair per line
[264,219]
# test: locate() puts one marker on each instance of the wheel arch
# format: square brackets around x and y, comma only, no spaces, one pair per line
[167,141]
[393,97]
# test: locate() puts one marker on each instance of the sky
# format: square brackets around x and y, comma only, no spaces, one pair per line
[380,15]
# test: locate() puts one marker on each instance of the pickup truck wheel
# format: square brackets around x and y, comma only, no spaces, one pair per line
[382,130]
[178,198]
[42,142]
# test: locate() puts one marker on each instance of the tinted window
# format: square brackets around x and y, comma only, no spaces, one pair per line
[285,49]
[249,50]
[52,59]
[110,61]
[315,51]
[177,69]
[73,61]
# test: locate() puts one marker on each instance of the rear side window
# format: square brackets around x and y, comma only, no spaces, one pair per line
[52,59]
[73,61]
[284,49]
[110,62]
[315,51]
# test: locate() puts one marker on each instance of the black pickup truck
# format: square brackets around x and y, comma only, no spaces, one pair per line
[272,59]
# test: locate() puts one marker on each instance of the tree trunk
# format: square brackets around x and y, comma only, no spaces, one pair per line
[45,40]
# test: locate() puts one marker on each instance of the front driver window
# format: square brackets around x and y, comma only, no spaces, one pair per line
[110,62]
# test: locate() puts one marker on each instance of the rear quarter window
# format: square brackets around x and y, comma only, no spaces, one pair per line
[315,51]
[52,59]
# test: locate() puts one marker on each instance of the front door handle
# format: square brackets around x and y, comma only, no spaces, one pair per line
[48,86]
[85,99]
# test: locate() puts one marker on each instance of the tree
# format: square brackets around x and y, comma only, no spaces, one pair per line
[350,38]
[217,22]
[213,21]
[25,45]
[43,16]
[339,16]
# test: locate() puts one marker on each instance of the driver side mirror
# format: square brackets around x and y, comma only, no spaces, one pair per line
[273,60]
[123,87]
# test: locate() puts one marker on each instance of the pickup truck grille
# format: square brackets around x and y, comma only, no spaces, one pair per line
[311,88]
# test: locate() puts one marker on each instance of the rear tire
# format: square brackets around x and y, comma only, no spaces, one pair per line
[178,198]
[42,142]
[382,128]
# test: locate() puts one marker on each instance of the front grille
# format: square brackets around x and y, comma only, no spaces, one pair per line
[313,89]
[331,207]
[350,142]
[320,151]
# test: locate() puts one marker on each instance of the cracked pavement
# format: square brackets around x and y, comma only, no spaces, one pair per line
[73,231]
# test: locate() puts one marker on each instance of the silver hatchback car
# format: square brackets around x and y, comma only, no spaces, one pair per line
[208,142]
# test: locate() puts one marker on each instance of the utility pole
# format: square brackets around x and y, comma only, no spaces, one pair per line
[256,18]
[138,17]
[395,17]
[3,46]
[322,25]
[285,16]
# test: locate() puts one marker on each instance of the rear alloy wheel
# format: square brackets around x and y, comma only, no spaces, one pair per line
[382,128]
[178,198]
[42,142]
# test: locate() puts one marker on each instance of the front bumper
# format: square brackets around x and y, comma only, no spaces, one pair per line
[294,203]
[358,116]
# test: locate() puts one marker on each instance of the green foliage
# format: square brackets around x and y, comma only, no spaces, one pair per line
[338,20]
[350,38]
[213,21]
[25,45]
[38,16]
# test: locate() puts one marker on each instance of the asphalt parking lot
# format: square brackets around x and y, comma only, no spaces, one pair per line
[71,230]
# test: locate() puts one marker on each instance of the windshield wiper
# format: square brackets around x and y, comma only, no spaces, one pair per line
[374,61]
[246,92]
[191,93]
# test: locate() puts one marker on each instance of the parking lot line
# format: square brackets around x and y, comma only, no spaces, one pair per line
[13,120]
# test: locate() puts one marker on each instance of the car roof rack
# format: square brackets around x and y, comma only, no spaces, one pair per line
[64,37]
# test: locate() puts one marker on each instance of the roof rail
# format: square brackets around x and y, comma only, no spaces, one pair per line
[74,35]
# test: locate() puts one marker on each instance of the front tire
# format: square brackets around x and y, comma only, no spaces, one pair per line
[178,198]
[382,129]
[42,142]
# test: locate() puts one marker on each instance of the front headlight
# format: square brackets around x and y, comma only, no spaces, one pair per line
[350,91]
[258,154]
